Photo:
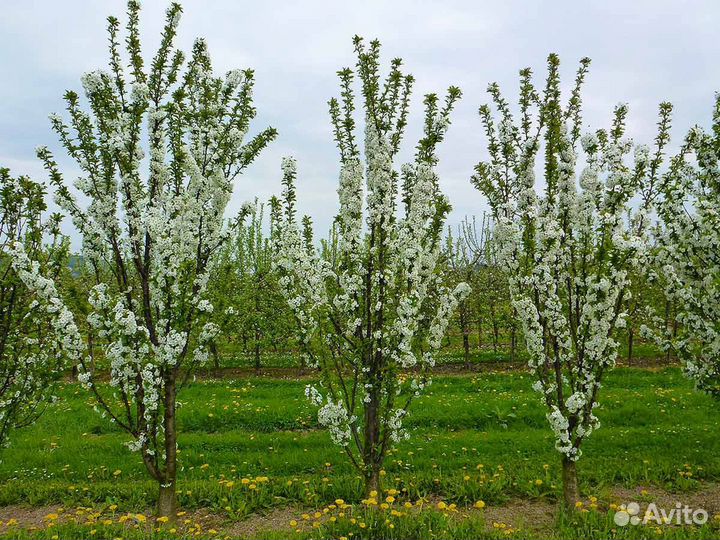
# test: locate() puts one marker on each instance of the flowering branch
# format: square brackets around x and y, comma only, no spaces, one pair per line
[154,223]
[374,306]
[568,251]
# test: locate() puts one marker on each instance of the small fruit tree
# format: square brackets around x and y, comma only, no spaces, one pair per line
[249,305]
[689,251]
[568,242]
[373,311]
[152,225]
[38,336]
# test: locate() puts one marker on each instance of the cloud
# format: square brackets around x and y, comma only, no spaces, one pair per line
[643,52]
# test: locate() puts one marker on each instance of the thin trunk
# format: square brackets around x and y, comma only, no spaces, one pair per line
[571,492]
[215,355]
[674,335]
[667,325]
[465,328]
[371,458]
[372,482]
[466,347]
[496,336]
[257,328]
[167,499]
[513,342]
[494,327]
[631,339]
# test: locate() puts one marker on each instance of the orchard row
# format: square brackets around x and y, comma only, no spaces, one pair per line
[590,237]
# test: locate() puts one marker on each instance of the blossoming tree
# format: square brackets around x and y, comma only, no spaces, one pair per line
[373,309]
[245,292]
[460,266]
[152,226]
[489,301]
[37,333]
[568,243]
[689,252]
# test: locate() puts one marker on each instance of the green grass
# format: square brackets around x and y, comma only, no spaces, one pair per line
[233,356]
[654,426]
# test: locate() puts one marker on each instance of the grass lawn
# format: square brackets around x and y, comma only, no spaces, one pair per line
[251,453]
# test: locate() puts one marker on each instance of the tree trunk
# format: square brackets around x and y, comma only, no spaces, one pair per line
[215,355]
[674,335]
[167,501]
[372,482]
[667,325]
[256,326]
[496,336]
[571,492]
[371,458]
[465,328]
[495,330]
[513,343]
[631,338]
[466,347]
[257,350]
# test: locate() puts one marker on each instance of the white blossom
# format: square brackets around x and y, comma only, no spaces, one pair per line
[568,246]
[688,254]
[371,305]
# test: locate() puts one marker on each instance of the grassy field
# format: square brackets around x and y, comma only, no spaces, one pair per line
[252,461]
[233,356]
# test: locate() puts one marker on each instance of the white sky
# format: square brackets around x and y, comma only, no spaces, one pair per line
[643,52]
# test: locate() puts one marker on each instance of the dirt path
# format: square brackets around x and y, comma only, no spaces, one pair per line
[455,369]
[459,369]
[537,517]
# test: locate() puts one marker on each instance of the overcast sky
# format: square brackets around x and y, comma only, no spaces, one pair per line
[643,52]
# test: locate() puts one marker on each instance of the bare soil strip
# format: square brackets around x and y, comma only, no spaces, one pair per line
[443,369]
[534,516]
